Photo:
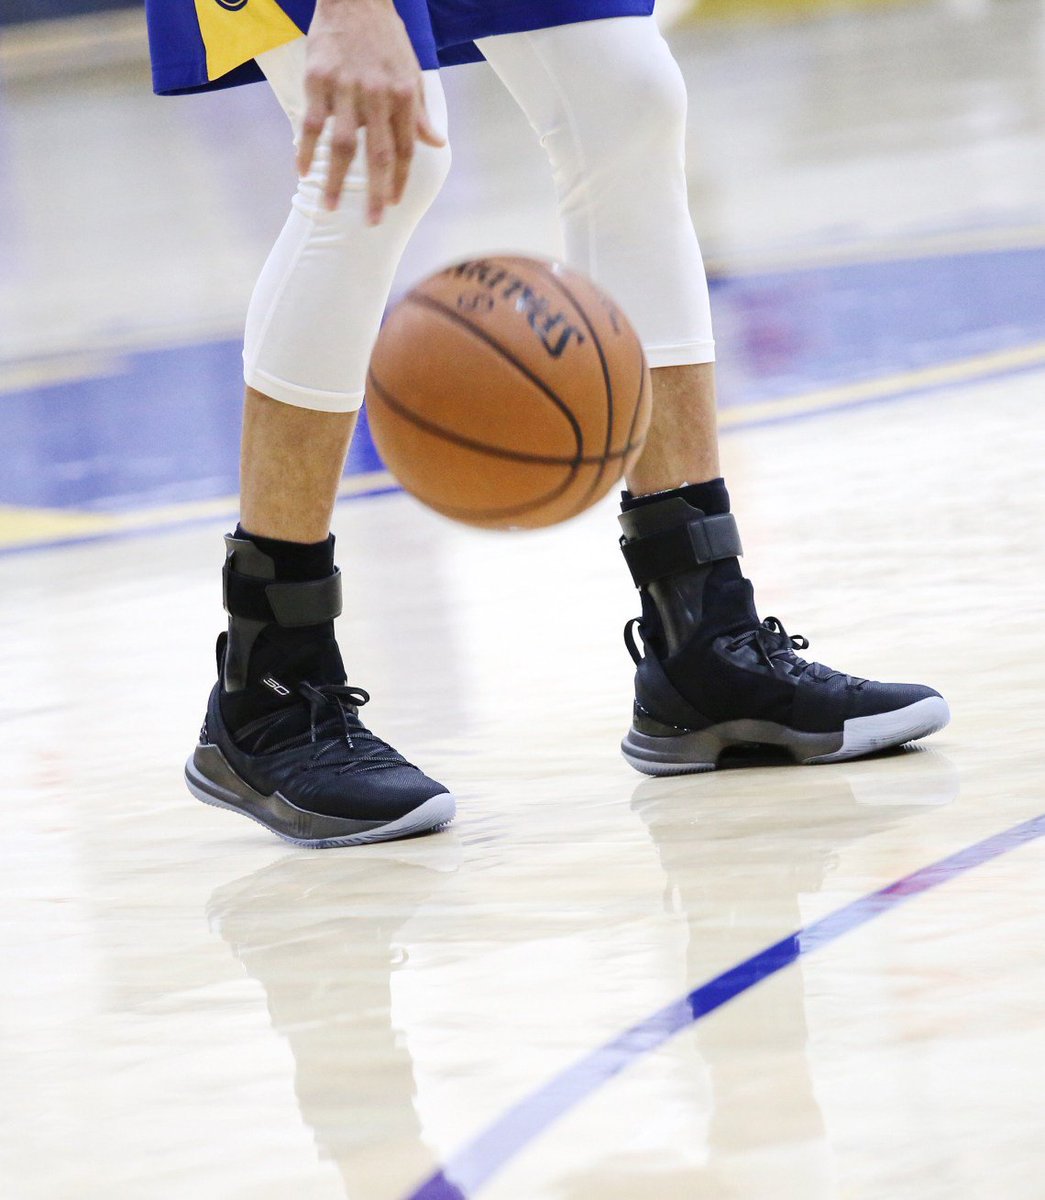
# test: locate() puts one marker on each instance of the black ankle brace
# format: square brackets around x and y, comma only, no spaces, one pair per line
[294,562]
[712,497]
[281,631]
[690,540]
[684,562]
[257,601]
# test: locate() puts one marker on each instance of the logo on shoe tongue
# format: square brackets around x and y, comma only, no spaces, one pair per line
[276,686]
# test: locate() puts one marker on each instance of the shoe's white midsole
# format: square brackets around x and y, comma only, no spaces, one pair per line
[865,735]
[289,822]
[692,752]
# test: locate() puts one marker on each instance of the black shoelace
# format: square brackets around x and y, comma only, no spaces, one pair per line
[334,714]
[776,647]
[774,644]
[340,738]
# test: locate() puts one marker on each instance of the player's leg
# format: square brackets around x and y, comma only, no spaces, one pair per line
[313,318]
[608,103]
[682,442]
[282,740]
[291,461]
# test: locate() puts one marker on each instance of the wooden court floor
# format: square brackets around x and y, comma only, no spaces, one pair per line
[764,983]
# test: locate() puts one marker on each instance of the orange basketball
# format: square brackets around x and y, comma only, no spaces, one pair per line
[508,393]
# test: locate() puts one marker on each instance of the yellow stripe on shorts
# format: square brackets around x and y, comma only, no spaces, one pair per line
[234,32]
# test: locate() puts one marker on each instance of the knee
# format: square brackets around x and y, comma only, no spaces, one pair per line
[628,127]
[646,104]
[428,171]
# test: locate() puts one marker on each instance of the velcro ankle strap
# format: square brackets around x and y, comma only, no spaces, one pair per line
[288,604]
[693,544]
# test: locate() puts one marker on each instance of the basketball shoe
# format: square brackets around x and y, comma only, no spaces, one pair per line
[714,676]
[282,741]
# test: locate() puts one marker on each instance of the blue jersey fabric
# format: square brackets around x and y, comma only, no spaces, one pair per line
[443,32]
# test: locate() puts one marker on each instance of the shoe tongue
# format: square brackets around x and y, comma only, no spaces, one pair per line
[295,660]
[729,602]
[330,716]
[291,717]
[277,666]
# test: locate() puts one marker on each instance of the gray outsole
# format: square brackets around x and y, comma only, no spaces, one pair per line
[691,753]
[313,830]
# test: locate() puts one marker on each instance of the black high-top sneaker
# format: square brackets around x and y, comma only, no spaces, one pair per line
[714,676]
[303,764]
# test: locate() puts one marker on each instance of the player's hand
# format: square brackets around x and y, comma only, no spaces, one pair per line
[361,73]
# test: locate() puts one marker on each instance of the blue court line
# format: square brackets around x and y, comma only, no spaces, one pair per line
[367,455]
[229,518]
[496,1146]
[160,426]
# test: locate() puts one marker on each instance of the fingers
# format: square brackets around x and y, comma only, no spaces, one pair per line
[381,152]
[404,133]
[317,109]
[344,142]
[395,119]
[328,99]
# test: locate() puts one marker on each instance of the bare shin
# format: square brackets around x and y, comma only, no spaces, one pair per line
[290,468]
[682,443]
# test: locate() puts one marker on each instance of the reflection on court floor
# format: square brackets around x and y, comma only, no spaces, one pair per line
[193,1010]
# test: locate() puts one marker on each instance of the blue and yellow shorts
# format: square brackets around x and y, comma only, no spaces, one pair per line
[202,44]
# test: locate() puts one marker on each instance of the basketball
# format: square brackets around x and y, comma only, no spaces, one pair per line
[508,393]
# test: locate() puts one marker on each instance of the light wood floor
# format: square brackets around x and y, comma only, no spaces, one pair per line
[191,1009]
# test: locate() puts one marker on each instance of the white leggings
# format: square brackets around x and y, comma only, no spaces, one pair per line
[608,103]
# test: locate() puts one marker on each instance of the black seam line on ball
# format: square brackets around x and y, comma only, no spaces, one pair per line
[485,514]
[506,354]
[552,278]
[471,444]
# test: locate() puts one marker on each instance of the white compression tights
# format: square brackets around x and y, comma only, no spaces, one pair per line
[608,103]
